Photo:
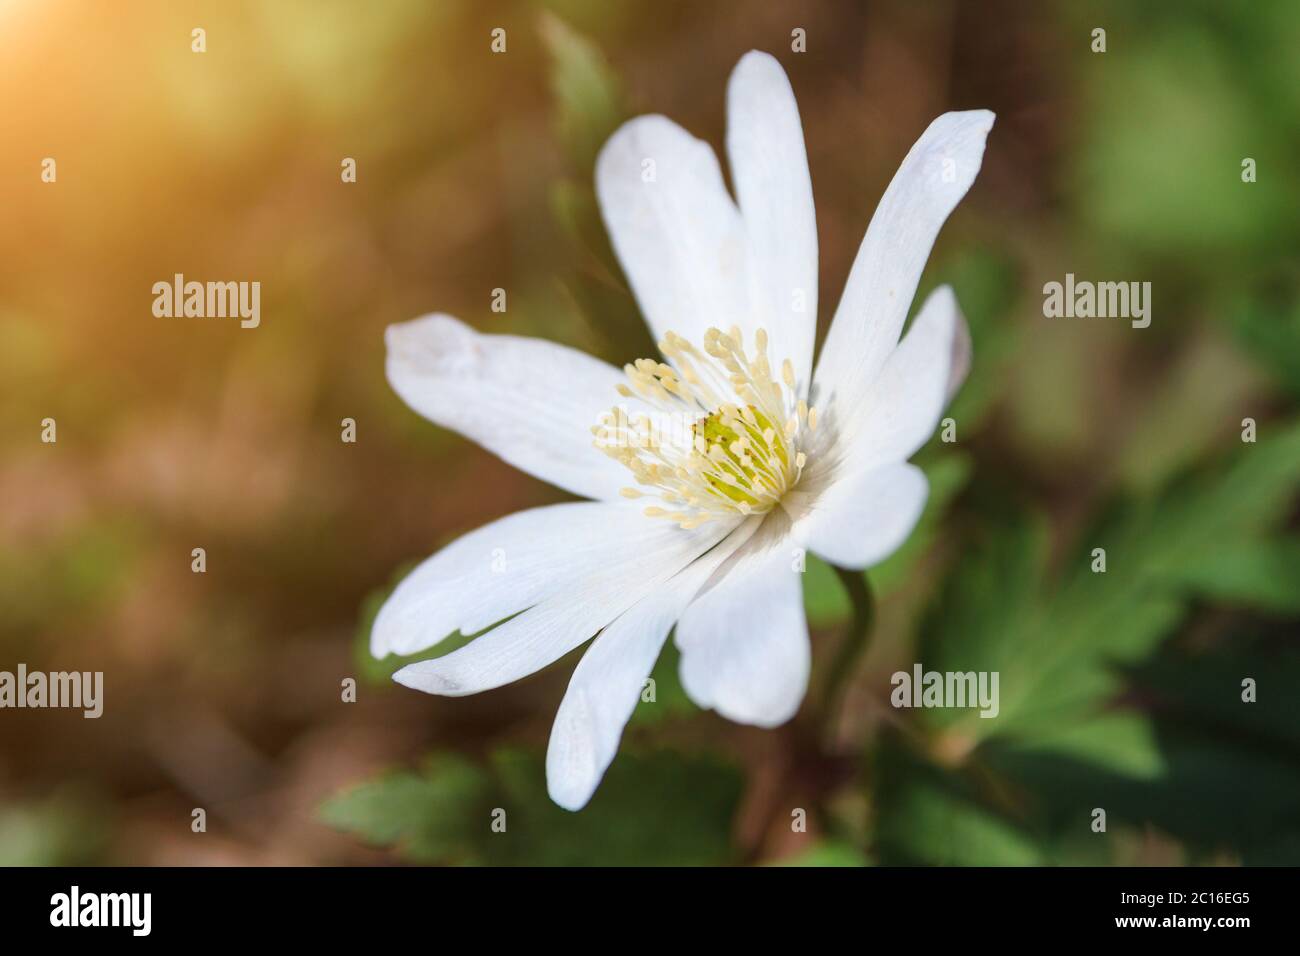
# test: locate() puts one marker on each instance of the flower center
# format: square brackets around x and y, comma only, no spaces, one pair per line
[722,435]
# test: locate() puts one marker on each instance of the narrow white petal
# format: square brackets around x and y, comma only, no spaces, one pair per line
[744,640]
[530,402]
[769,168]
[933,178]
[863,518]
[504,567]
[675,229]
[608,680]
[546,632]
[900,410]
[600,700]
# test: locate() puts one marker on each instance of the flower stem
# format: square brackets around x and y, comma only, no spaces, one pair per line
[852,644]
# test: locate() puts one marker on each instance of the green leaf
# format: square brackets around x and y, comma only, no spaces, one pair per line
[988,607]
[828,853]
[928,817]
[662,809]
[1260,574]
[1122,741]
[586,91]
[1058,646]
[65,828]
[589,105]
[1269,328]
[1228,766]
[1202,765]
[1204,688]
[425,814]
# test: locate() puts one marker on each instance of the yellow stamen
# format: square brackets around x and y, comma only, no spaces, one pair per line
[737,450]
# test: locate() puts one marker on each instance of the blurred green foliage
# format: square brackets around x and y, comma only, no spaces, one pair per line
[60,831]
[497,813]
[1055,644]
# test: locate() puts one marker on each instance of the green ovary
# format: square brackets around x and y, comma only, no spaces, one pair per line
[767,457]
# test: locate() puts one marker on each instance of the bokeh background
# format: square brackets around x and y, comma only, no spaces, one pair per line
[1119,690]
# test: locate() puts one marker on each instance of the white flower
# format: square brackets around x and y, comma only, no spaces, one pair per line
[769,455]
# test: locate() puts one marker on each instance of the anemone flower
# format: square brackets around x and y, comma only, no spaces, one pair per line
[712,470]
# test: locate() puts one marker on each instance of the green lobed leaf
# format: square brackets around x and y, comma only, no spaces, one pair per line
[928,817]
[1058,646]
[424,814]
[660,809]
[1260,574]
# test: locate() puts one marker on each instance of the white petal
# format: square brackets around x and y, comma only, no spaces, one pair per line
[931,181]
[608,680]
[863,518]
[531,402]
[600,700]
[900,410]
[505,567]
[769,168]
[744,640]
[675,229]
[546,632]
